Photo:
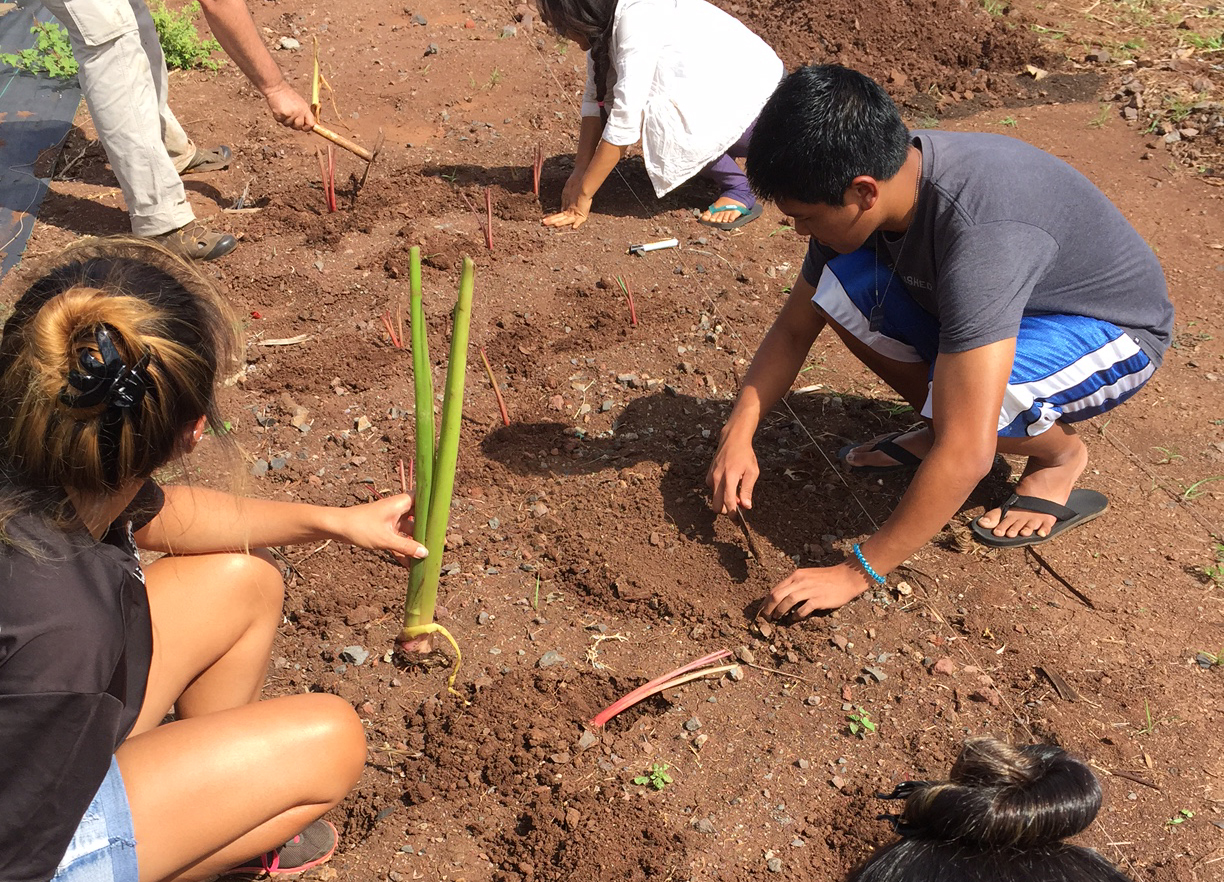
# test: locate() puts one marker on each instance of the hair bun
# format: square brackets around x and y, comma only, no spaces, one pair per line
[1002,795]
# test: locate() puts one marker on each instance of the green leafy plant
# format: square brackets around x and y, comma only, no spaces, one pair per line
[1167,455]
[1181,817]
[861,723]
[1008,121]
[180,41]
[657,777]
[1102,117]
[51,53]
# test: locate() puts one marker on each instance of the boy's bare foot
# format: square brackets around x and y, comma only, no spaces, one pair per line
[1051,478]
[918,442]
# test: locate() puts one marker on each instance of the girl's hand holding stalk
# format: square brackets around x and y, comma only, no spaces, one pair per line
[383,525]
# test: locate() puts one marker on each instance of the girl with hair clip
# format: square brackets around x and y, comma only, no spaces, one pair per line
[108,366]
[681,76]
[1001,817]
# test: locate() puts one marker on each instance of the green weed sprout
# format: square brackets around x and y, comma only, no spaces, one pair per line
[860,723]
[435,466]
[657,777]
[51,53]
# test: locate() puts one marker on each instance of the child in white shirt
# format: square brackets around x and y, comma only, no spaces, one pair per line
[650,77]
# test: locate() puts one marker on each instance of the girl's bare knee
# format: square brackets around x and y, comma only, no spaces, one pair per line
[335,731]
[257,576]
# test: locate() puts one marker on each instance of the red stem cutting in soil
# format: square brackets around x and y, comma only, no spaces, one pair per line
[537,169]
[396,340]
[501,402]
[488,222]
[629,297]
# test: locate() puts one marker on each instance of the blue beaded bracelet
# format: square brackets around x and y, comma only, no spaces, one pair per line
[875,577]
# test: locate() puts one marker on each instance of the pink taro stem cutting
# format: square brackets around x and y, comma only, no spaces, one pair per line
[675,678]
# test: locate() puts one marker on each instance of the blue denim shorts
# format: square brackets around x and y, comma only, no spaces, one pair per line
[103,849]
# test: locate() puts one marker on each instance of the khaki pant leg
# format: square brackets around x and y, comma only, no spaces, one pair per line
[121,90]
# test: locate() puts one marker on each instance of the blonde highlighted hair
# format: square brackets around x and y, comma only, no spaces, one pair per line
[106,362]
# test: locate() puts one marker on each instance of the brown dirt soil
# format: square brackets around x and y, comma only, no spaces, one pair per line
[581,534]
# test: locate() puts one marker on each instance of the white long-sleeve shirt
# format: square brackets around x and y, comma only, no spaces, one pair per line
[686,79]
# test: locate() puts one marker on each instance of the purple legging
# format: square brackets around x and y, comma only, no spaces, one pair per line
[727,174]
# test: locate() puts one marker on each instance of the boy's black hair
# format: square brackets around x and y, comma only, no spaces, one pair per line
[1001,817]
[591,19]
[824,126]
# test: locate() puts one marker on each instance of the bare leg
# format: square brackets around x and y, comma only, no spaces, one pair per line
[233,777]
[212,791]
[909,379]
[214,617]
[1056,459]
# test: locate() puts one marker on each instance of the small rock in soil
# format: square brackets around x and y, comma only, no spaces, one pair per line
[260,468]
[744,654]
[354,655]
[587,740]
[704,825]
[431,49]
[550,658]
[289,44]
[700,741]
[693,724]
[944,666]
[774,865]
[736,673]
[876,674]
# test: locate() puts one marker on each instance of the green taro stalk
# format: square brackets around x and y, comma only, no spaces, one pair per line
[435,467]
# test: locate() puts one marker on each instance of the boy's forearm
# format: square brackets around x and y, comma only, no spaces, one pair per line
[778,360]
[196,520]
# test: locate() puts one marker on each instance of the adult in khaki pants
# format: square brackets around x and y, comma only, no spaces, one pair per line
[123,77]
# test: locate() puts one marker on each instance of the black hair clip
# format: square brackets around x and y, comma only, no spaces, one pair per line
[904,790]
[106,380]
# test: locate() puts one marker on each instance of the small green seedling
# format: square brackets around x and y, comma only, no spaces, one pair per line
[1008,121]
[1215,571]
[1180,818]
[657,777]
[1167,455]
[860,723]
[1102,117]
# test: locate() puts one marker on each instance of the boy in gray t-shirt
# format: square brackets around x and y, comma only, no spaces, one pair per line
[989,283]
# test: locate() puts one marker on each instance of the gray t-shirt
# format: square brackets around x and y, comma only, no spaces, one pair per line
[1004,230]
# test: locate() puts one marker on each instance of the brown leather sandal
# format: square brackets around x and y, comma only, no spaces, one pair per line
[197,242]
[209,160]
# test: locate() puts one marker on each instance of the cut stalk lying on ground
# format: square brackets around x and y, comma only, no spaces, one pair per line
[675,678]
[435,467]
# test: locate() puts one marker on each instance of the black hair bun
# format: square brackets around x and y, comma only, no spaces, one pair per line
[1000,795]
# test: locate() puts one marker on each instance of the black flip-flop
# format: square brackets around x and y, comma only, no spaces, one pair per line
[1082,506]
[745,216]
[209,160]
[905,461]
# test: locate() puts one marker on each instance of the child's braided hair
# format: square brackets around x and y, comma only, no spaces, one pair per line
[591,20]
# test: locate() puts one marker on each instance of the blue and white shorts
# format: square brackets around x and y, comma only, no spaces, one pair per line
[1067,367]
[103,849]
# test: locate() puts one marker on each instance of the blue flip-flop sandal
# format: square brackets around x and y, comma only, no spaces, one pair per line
[746,215]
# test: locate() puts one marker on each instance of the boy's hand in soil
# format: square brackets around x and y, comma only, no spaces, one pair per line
[734,472]
[807,590]
[382,525]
